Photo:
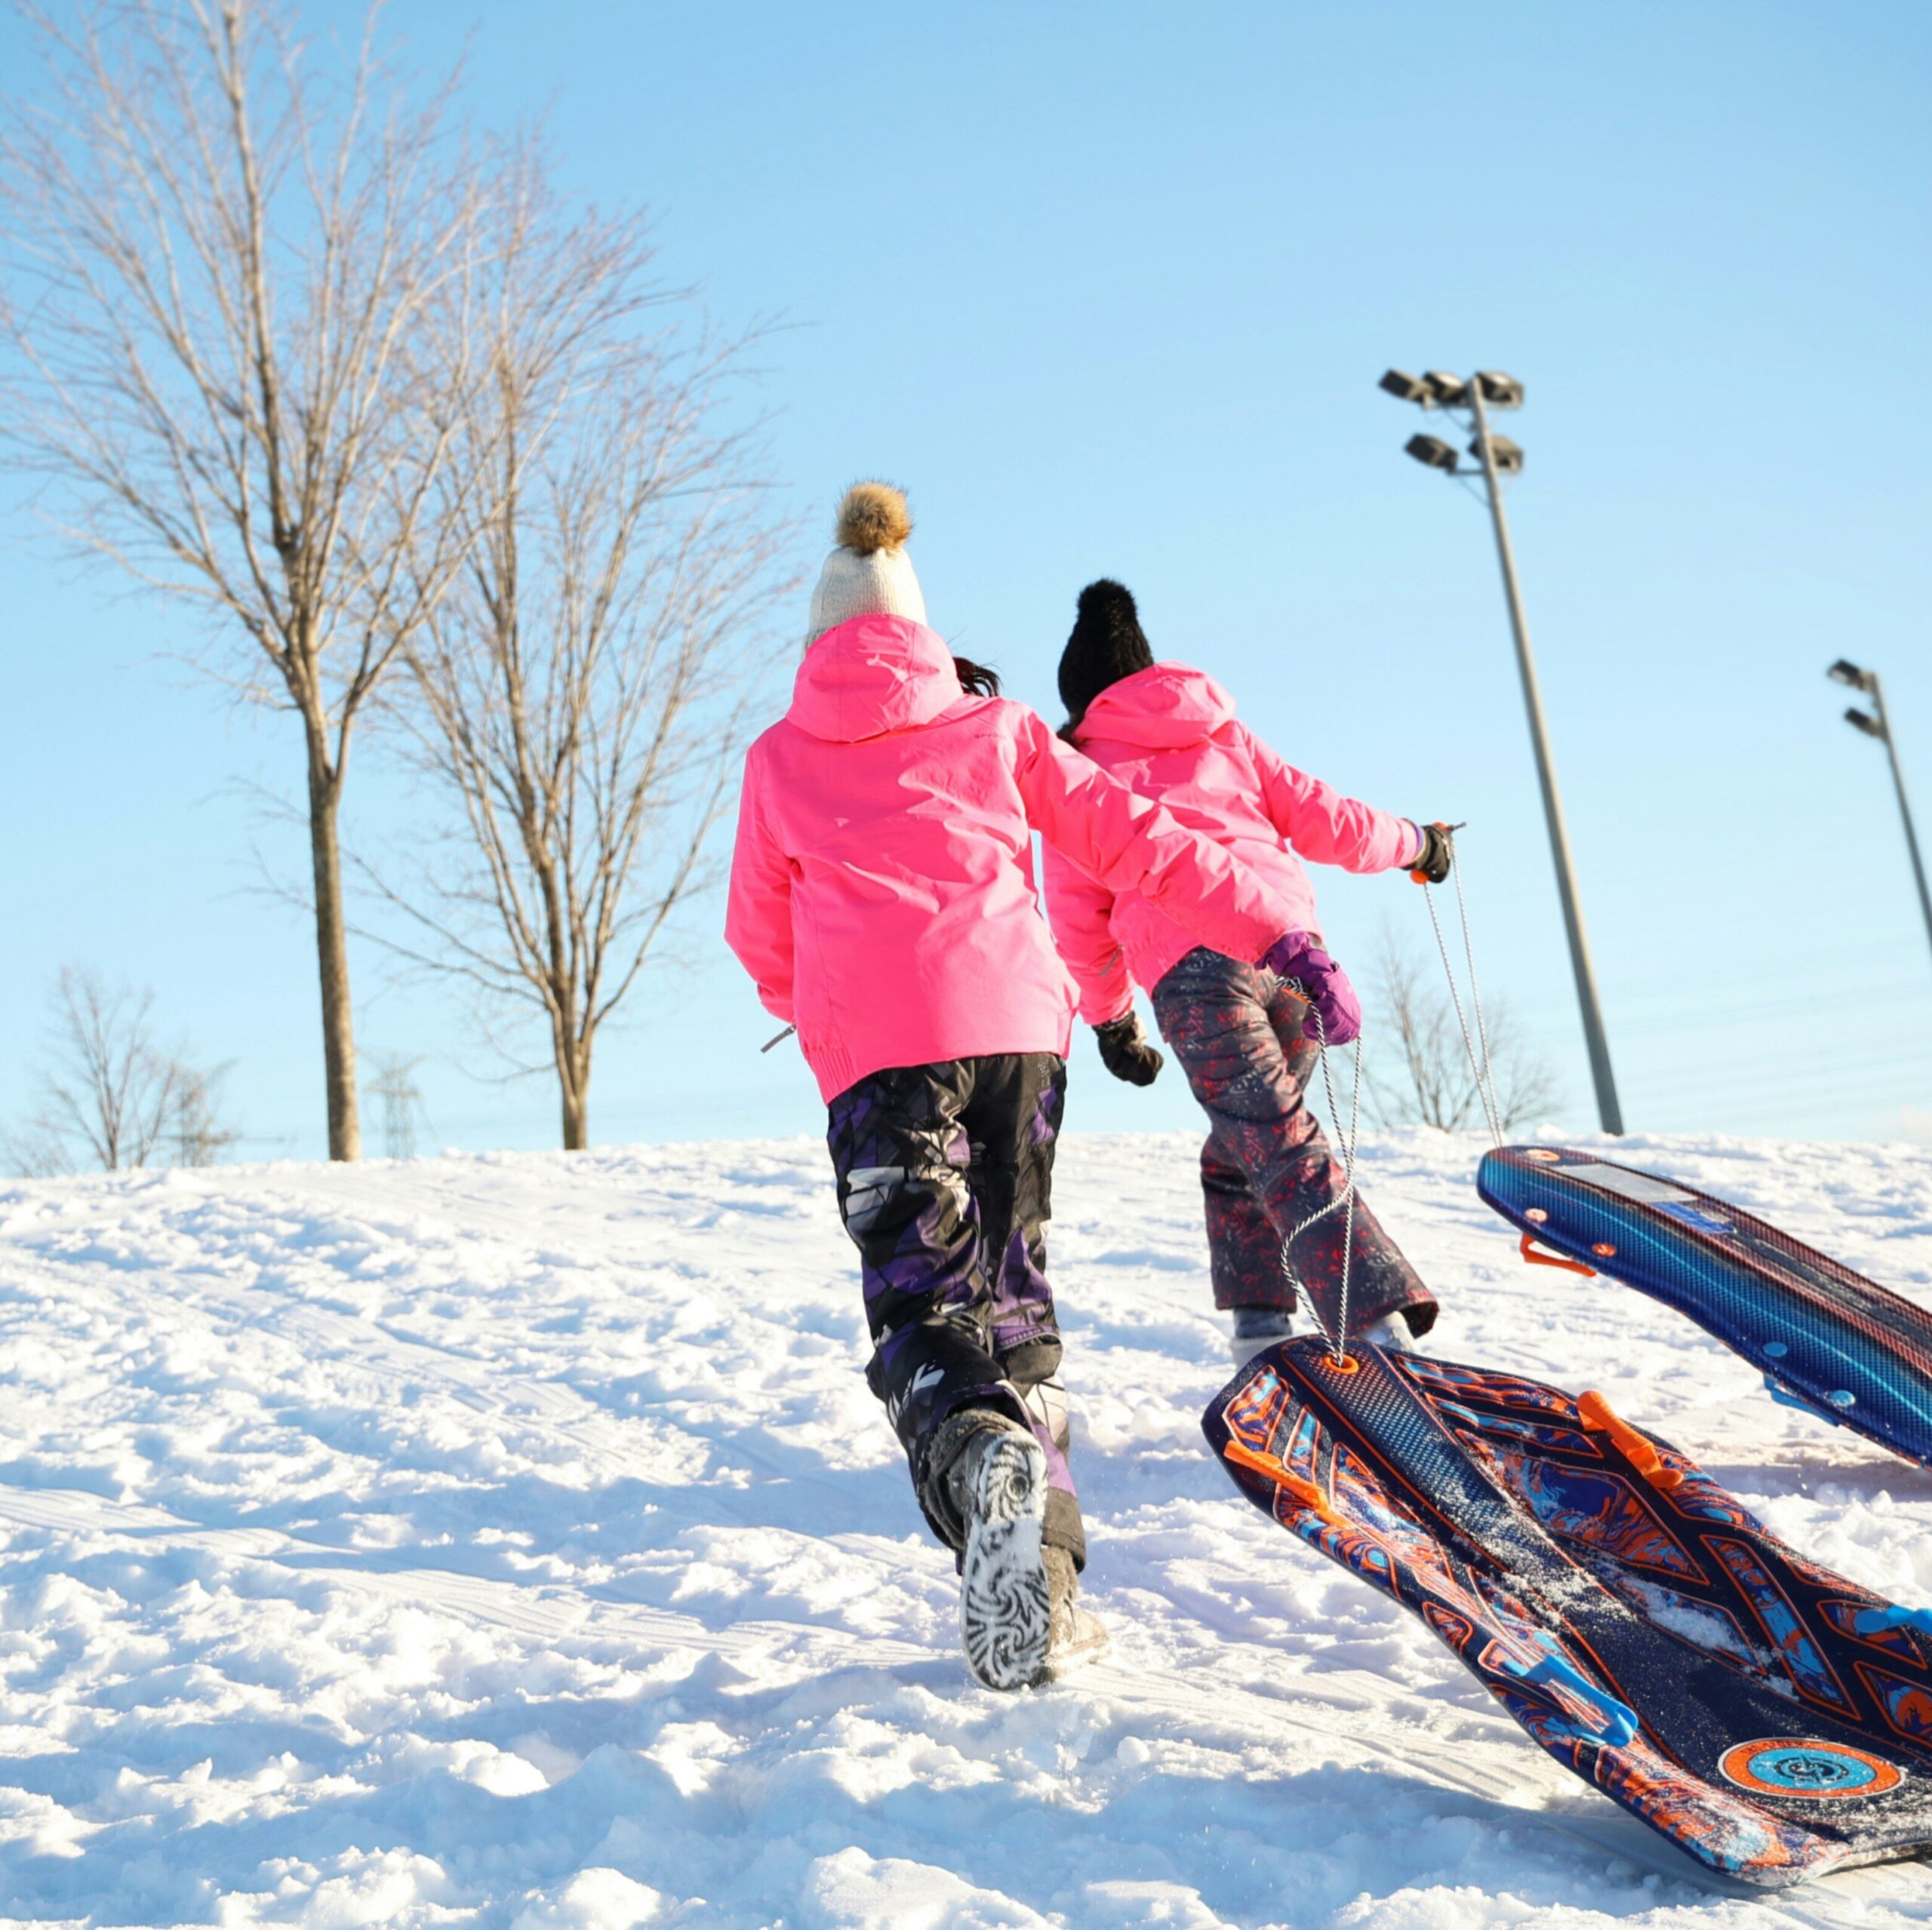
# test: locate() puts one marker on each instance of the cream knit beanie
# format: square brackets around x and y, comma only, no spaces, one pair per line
[869,573]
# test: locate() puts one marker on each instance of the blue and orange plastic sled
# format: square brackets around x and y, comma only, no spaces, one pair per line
[1771,1718]
[1826,1338]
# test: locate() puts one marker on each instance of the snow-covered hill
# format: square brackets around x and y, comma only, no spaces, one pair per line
[511,1541]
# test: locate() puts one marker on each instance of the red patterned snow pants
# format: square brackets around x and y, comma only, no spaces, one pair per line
[1236,1031]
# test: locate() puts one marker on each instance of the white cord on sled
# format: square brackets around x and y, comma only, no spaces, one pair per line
[1482,1067]
[1344,1200]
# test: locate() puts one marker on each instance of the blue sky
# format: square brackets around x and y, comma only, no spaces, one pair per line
[1109,287]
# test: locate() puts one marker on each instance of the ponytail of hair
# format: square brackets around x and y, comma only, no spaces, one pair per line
[975,678]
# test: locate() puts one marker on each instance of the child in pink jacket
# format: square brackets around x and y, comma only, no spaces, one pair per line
[1241,1032]
[882,897]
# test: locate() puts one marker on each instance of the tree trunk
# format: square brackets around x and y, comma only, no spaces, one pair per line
[332,953]
[573,1089]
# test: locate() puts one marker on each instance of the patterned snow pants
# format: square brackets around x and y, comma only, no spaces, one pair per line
[945,1183]
[1236,1031]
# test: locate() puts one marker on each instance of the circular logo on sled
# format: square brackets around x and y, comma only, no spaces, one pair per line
[1790,1766]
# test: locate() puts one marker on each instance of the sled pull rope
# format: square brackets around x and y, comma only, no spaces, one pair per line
[1481,1067]
[1344,1200]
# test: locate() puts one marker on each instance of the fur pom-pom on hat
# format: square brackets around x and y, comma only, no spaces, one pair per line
[1109,605]
[873,516]
[1106,644]
[869,573]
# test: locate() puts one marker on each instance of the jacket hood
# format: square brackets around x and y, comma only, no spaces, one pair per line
[1166,707]
[871,675]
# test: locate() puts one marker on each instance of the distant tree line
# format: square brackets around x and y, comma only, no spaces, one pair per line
[111,1094]
[436,462]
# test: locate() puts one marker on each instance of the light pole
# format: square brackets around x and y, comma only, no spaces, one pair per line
[1498,456]
[1876,723]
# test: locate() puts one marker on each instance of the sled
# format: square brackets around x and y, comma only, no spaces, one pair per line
[1826,1338]
[1768,1717]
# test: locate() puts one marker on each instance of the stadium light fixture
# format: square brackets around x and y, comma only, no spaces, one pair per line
[1498,457]
[1509,455]
[1432,453]
[1407,388]
[1875,723]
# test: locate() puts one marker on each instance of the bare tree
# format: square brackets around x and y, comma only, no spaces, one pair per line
[218,264]
[110,1094]
[1437,1085]
[109,1089]
[580,698]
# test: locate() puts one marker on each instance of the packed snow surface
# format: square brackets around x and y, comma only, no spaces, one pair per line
[512,1542]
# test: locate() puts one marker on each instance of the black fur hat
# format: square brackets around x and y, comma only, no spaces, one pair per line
[1106,644]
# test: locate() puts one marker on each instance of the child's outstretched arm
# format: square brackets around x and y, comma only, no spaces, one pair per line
[1323,825]
[758,917]
[1080,909]
[1128,843]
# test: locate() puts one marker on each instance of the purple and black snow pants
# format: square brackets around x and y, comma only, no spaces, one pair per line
[1236,1031]
[945,1184]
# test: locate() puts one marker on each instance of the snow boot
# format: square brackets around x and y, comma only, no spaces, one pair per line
[1257,1328]
[997,1484]
[1391,1331]
[1075,1635]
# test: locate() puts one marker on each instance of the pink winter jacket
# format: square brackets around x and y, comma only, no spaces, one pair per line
[882,891]
[1171,733]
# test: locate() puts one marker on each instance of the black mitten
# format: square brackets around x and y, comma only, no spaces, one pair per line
[1125,1051]
[1438,852]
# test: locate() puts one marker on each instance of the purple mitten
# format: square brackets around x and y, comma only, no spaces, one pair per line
[1295,955]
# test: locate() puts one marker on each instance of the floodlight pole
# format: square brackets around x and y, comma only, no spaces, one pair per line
[1877,696]
[1610,1114]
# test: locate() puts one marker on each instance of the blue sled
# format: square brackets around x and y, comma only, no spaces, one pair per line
[1826,1339]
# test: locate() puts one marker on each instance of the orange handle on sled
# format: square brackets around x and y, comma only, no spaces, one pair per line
[1305,1491]
[1599,1418]
[1529,1253]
